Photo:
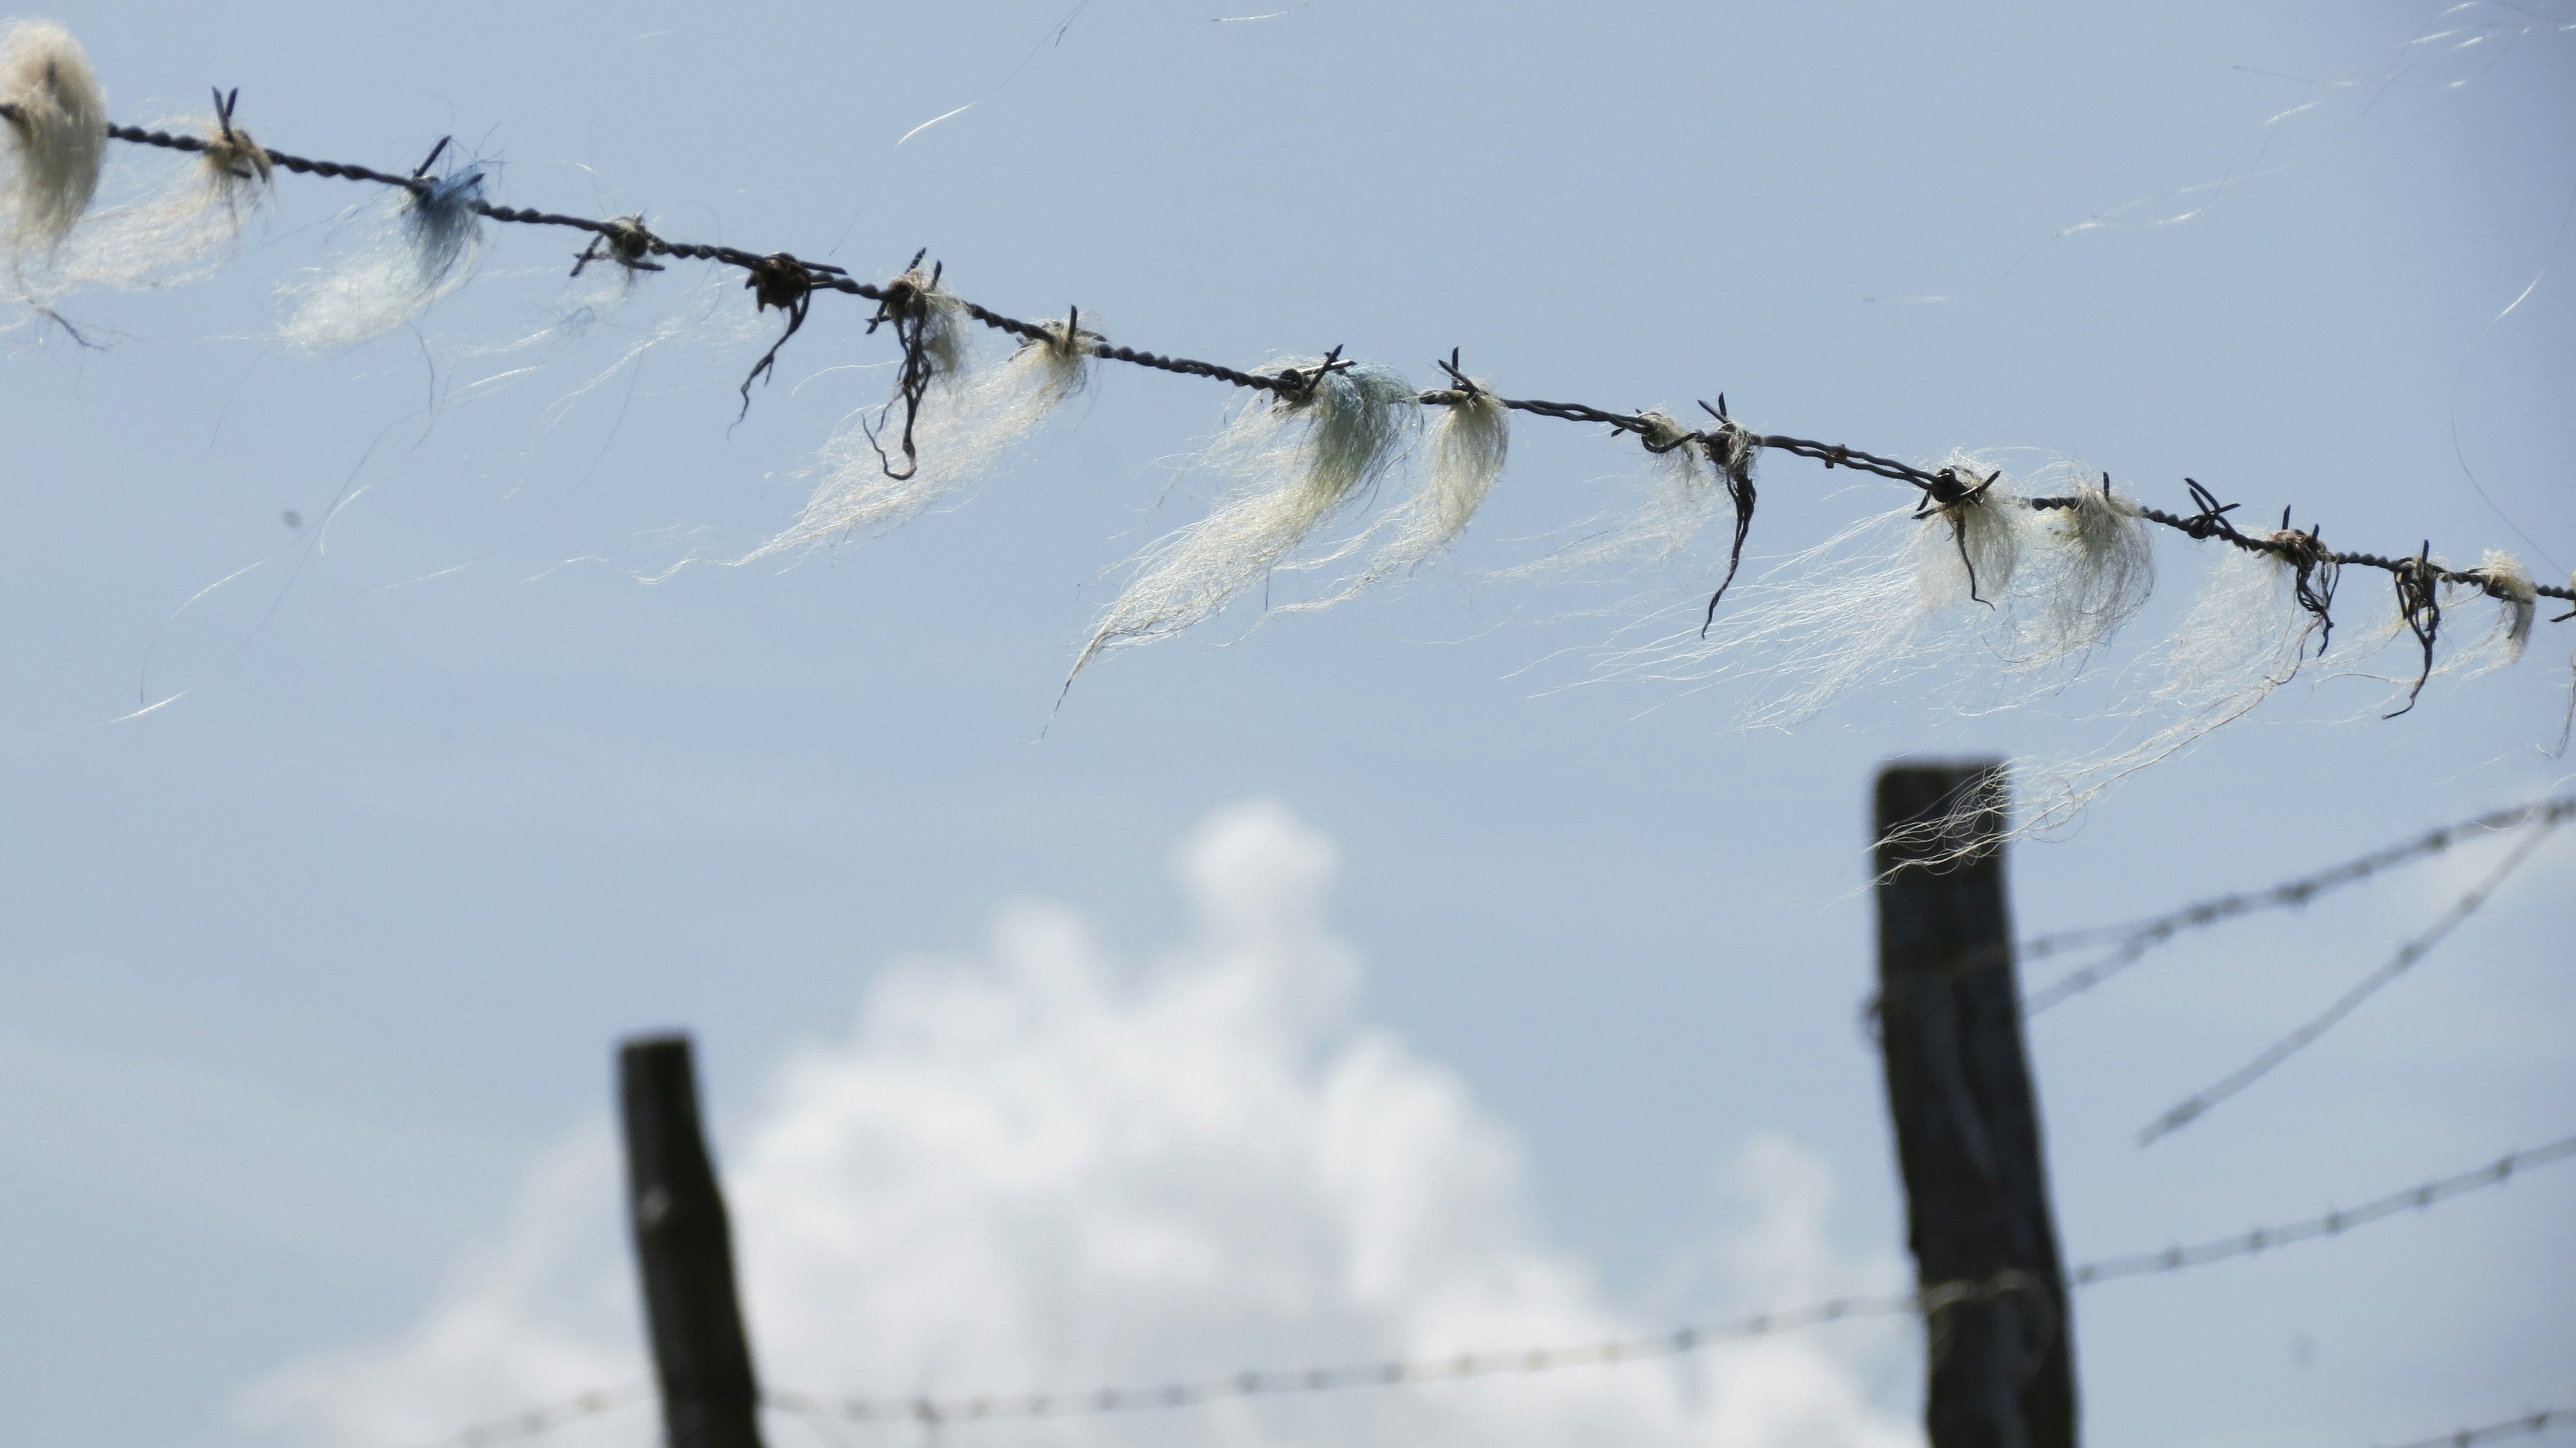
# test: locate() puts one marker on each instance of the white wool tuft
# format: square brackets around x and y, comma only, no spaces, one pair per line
[2090,569]
[1469,442]
[2517,607]
[1303,459]
[970,422]
[57,137]
[183,227]
[423,248]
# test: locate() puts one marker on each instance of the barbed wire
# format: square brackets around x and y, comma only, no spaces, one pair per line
[2193,1107]
[2138,937]
[2135,938]
[787,281]
[1460,1367]
[2528,1423]
[1679,1341]
[2331,1224]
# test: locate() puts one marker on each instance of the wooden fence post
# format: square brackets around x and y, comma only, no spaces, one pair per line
[1967,1121]
[684,1252]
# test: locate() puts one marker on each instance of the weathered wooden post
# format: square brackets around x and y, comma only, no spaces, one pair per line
[684,1252]
[1967,1121]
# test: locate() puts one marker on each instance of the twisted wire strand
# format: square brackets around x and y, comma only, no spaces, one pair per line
[2193,1107]
[2418,571]
[2528,1423]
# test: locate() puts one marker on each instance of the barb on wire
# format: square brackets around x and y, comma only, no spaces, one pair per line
[775,282]
[779,281]
[2193,1107]
[2528,1423]
[2419,604]
[1732,450]
[1462,1366]
[2136,939]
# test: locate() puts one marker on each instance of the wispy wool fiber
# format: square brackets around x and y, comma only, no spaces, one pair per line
[1304,457]
[424,247]
[2090,568]
[57,137]
[2246,635]
[2518,606]
[185,223]
[971,420]
[1882,600]
[1470,439]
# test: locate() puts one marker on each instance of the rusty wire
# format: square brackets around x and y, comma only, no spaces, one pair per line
[1729,446]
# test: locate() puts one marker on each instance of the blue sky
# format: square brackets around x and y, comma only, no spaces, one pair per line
[307,971]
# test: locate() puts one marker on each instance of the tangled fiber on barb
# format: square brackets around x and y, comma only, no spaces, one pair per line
[184,225]
[972,419]
[1882,600]
[424,247]
[2517,607]
[1470,439]
[1303,456]
[930,325]
[2090,568]
[57,138]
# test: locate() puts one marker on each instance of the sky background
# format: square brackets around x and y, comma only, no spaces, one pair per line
[310,979]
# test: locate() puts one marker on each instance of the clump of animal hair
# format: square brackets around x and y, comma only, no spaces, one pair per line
[186,224]
[2090,567]
[2503,578]
[1887,598]
[1470,438]
[56,119]
[1304,455]
[424,245]
[974,418]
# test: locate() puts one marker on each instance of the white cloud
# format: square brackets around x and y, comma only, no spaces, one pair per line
[1047,1170]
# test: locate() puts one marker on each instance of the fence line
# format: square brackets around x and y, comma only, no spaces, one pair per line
[789,282]
[1460,1367]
